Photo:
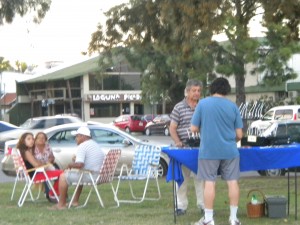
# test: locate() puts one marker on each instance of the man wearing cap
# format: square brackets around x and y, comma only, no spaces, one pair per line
[89,156]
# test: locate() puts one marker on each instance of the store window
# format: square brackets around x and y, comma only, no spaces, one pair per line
[114,82]
[104,110]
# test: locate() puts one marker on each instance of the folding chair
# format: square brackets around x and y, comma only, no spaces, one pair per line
[39,176]
[144,167]
[106,175]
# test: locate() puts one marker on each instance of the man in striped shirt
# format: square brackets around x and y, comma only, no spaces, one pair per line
[89,156]
[180,130]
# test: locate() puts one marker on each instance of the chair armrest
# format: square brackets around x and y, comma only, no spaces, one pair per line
[83,170]
[40,167]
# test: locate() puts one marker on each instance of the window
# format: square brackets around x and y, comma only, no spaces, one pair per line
[284,114]
[115,82]
[281,131]
[106,137]
[268,115]
[62,137]
[105,110]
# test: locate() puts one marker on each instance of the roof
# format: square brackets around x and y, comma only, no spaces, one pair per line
[262,88]
[8,98]
[68,72]
[285,107]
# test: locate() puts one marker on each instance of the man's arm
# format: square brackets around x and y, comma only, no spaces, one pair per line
[239,134]
[174,135]
[76,165]
[194,129]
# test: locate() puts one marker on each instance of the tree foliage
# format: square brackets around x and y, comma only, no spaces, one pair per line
[10,8]
[4,65]
[172,40]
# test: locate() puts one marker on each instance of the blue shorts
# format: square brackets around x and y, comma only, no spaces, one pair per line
[229,169]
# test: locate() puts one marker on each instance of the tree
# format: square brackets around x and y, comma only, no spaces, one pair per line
[181,32]
[4,65]
[10,8]
[21,66]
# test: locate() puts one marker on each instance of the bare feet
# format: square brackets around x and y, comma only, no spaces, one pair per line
[57,207]
[74,204]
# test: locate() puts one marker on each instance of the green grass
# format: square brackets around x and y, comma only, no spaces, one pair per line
[149,212]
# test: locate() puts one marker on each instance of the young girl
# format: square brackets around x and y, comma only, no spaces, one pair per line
[26,148]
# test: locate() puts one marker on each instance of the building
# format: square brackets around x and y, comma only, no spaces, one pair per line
[81,89]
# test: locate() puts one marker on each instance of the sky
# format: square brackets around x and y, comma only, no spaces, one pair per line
[64,33]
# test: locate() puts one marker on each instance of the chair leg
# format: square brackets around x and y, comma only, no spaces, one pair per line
[98,195]
[14,188]
[115,195]
[143,197]
[24,194]
[73,196]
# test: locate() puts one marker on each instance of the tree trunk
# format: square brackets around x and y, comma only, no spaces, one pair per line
[240,89]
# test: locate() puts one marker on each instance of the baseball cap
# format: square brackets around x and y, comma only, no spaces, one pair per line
[82,130]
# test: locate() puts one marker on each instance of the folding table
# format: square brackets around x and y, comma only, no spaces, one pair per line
[251,159]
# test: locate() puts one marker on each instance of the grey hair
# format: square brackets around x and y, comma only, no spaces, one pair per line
[190,83]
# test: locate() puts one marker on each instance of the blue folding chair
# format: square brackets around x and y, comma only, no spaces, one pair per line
[144,168]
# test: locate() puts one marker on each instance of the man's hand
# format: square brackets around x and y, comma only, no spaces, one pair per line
[179,144]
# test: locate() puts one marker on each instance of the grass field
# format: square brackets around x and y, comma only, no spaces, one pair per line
[149,212]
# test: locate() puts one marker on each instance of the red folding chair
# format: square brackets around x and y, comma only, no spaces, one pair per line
[40,176]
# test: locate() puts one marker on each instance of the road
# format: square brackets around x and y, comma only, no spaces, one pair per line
[3,177]
[161,139]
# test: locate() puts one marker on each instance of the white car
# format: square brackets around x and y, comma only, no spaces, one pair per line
[287,112]
[35,125]
[63,145]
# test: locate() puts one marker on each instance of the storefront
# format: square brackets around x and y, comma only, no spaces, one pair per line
[103,107]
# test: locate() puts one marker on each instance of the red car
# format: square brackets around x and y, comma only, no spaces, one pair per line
[130,123]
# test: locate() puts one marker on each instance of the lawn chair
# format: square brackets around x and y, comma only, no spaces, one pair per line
[40,176]
[144,167]
[106,175]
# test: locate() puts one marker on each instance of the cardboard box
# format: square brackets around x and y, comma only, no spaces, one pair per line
[276,206]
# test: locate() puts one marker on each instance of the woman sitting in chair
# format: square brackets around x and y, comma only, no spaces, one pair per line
[26,146]
[43,153]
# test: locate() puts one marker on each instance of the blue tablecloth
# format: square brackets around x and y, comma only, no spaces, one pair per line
[254,158]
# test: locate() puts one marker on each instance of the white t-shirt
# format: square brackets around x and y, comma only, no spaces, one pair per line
[90,153]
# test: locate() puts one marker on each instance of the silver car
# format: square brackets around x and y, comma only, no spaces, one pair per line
[35,125]
[63,145]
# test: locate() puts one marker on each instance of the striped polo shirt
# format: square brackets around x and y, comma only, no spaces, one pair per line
[182,115]
[90,153]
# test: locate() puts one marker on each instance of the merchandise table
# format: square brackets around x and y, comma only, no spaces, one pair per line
[251,159]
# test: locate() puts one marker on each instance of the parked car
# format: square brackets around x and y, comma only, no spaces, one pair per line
[130,123]
[287,112]
[159,125]
[63,145]
[36,124]
[5,126]
[148,117]
[278,133]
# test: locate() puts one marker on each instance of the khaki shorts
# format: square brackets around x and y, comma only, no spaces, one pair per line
[229,169]
[72,176]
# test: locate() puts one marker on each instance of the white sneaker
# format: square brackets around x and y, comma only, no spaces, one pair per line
[234,222]
[201,222]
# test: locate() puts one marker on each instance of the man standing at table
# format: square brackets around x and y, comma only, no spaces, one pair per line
[179,130]
[220,126]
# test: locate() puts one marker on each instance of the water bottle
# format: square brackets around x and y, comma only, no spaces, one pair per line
[254,200]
